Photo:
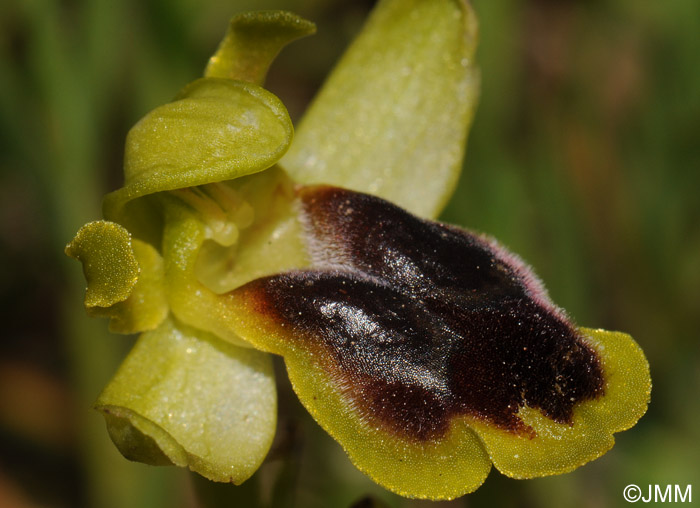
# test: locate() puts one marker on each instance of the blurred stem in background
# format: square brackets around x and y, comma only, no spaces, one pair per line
[583,157]
[57,112]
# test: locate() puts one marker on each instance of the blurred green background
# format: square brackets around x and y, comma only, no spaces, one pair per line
[584,158]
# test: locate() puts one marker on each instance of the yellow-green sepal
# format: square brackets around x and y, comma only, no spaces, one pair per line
[184,397]
[560,448]
[393,117]
[253,41]
[215,130]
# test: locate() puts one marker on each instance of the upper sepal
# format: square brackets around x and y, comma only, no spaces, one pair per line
[253,41]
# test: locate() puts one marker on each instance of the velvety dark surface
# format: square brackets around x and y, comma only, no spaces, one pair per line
[422,322]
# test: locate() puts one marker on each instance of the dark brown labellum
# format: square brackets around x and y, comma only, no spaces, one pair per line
[418,322]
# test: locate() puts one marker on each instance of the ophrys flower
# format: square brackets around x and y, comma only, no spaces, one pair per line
[427,351]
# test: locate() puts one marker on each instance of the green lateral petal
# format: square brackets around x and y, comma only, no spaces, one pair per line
[146,306]
[124,275]
[393,117]
[272,243]
[216,130]
[253,41]
[109,262]
[560,448]
[184,397]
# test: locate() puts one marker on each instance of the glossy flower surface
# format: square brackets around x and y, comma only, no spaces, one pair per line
[427,351]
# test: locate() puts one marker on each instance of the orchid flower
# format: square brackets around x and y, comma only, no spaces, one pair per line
[429,352]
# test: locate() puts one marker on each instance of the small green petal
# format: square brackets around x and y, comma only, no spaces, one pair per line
[146,306]
[216,130]
[253,41]
[109,262]
[393,117]
[184,397]
[560,448]
[124,275]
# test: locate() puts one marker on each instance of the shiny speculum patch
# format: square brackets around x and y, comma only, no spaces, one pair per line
[418,322]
